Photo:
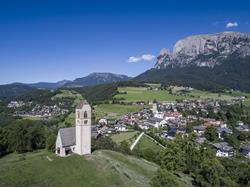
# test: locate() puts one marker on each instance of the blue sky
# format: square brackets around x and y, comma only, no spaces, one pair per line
[51,40]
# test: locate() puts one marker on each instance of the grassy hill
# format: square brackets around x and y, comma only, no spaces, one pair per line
[129,136]
[146,143]
[113,111]
[143,93]
[102,168]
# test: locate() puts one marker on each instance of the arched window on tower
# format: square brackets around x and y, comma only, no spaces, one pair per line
[85,115]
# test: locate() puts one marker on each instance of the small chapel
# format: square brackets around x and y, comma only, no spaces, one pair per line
[76,139]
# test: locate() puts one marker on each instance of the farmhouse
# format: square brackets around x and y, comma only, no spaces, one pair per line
[223,131]
[245,150]
[76,139]
[242,128]
[121,127]
[199,129]
[223,149]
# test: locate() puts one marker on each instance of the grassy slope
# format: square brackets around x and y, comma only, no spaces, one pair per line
[102,168]
[125,136]
[114,110]
[141,93]
[70,119]
[146,143]
[207,94]
[70,94]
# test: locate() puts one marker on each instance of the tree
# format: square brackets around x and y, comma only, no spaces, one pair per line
[173,157]
[190,128]
[210,173]
[4,143]
[50,142]
[237,170]
[232,140]
[211,133]
[124,147]
[170,91]
[103,143]
[26,136]
[164,178]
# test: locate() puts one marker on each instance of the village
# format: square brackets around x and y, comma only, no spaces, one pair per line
[166,120]
[43,111]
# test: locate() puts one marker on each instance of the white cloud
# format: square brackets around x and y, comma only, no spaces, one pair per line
[231,24]
[148,57]
[134,59]
[144,57]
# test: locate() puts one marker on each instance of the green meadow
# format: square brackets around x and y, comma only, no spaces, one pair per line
[146,143]
[69,94]
[102,168]
[144,94]
[130,137]
[114,111]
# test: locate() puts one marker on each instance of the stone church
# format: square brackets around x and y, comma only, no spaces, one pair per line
[76,139]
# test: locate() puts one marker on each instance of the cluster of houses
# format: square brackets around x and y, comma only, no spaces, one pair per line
[43,111]
[17,104]
[169,121]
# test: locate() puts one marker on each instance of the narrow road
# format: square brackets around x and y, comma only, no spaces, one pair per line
[136,141]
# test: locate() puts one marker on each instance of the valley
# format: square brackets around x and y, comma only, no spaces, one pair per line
[124,93]
[165,114]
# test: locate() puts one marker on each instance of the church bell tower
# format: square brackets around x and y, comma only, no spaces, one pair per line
[83,128]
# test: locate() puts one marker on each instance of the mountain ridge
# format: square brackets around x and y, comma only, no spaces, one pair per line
[231,73]
[205,50]
[17,89]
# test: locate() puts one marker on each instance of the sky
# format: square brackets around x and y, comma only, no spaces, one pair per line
[53,40]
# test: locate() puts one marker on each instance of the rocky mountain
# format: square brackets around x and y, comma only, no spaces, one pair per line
[97,78]
[232,73]
[205,50]
[212,62]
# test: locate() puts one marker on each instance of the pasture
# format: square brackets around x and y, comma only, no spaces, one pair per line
[102,168]
[125,136]
[132,94]
[146,143]
[114,111]
[144,94]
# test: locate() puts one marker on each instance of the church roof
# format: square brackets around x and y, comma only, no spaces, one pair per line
[81,104]
[68,136]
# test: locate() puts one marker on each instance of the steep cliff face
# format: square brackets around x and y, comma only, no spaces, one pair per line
[205,50]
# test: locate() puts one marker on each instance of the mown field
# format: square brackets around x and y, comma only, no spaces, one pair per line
[113,111]
[146,143]
[70,119]
[130,137]
[69,94]
[102,168]
[144,94]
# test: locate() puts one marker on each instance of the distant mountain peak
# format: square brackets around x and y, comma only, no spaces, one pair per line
[97,78]
[205,50]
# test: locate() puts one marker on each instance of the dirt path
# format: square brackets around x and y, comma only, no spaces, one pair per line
[136,141]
